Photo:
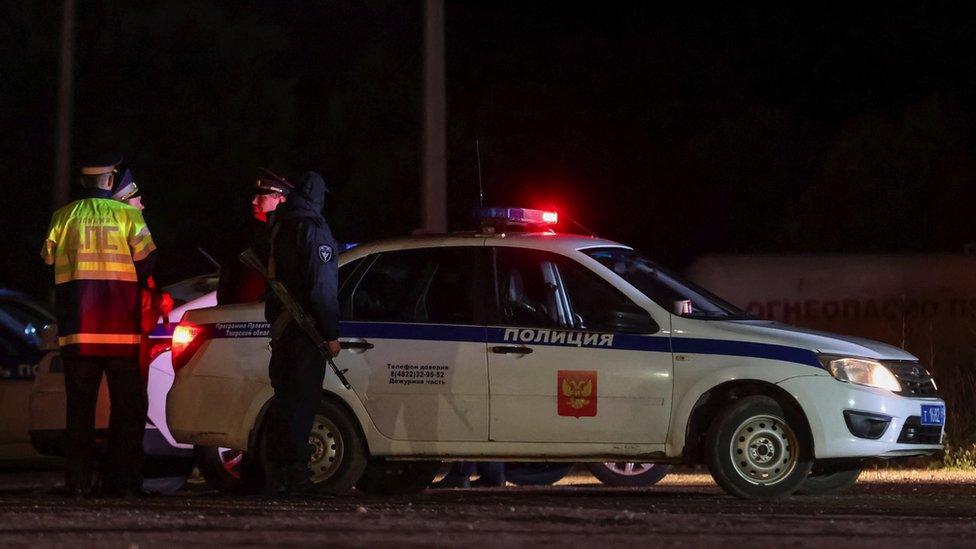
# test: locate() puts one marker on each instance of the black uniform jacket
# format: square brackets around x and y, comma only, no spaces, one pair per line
[306,256]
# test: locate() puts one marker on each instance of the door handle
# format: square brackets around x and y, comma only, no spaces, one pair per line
[356,345]
[506,350]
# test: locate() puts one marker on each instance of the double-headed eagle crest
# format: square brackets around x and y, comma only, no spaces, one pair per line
[578,391]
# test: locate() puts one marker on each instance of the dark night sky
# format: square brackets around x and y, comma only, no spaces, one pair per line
[762,129]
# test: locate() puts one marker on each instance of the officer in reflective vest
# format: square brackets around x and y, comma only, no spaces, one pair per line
[304,257]
[102,253]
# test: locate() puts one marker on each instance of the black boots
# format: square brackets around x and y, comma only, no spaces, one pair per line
[291,480]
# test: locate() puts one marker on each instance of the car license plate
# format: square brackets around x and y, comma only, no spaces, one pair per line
[933,414]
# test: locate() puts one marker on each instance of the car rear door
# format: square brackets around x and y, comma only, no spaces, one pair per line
[414,323]
[571,358]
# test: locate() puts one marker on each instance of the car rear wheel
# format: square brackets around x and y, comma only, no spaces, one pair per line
[753,450]
[397,478]
[827,480]
[615,473]
[338,451]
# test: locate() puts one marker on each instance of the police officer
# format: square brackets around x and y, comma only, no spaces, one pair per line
[153,302]
[239,283]
[102,252]
[126,190]
[304,258]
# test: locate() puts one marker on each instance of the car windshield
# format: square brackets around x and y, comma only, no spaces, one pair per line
[664,287]
[22,320]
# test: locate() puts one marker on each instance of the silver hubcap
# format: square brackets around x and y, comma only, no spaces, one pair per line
[327,449]
[628,468]
[764,450]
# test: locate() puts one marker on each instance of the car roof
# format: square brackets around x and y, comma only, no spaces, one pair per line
[15,296]
[566,244]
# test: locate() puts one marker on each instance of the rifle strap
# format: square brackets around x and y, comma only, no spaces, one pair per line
[271,250]
[285,318]
[280,323]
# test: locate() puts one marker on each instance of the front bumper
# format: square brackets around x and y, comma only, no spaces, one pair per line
[824,400]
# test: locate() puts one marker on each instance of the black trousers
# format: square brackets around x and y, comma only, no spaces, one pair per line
[122,467]
[297,369]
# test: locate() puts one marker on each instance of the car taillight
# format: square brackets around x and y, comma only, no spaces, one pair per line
[187,338]
[157,349]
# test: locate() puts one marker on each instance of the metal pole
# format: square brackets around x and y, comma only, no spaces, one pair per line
[434,175]
[65,77]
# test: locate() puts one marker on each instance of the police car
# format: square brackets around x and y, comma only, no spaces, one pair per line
[520,343]
[28,342]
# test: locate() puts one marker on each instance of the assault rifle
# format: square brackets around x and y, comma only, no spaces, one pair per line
[295,310]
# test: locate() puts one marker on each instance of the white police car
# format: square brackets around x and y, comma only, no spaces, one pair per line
[164,455]
[540,346]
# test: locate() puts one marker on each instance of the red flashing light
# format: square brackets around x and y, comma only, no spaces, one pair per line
[187,338]
[550,217]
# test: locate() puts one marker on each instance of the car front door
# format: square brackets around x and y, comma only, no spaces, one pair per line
[571,358]
[413,325]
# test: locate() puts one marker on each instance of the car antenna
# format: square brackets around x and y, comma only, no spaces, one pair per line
[481,188]
[577,223]
[209,257]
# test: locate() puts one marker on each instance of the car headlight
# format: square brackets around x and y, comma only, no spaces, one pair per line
[862,371]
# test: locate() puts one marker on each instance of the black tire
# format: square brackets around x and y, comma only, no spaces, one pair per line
[643,474]
[827,480]
[339,451]
[536,474]
[397,478]
[771,459]
[221,467]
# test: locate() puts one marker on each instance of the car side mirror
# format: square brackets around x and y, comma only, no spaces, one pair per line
[681,307]
[49,337]
[631,319]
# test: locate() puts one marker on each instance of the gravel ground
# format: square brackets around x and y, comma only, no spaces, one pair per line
[886,508]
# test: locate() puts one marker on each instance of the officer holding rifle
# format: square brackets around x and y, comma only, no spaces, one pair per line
[303,259]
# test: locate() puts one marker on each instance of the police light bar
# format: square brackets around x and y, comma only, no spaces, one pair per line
[517,217]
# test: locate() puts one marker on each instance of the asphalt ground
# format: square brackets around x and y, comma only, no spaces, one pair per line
[908,508]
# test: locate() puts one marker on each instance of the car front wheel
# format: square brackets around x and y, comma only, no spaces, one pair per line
[754,452]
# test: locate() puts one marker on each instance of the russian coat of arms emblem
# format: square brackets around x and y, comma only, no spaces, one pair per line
[576,393]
